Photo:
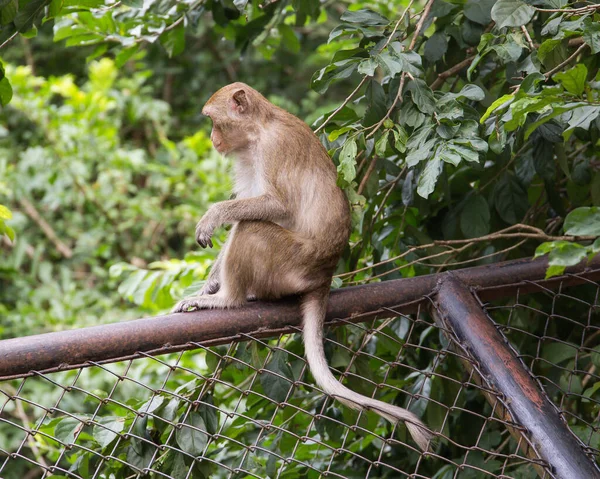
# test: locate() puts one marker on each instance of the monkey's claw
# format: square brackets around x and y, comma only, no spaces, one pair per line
[185,305]
[204,240]
[203,233]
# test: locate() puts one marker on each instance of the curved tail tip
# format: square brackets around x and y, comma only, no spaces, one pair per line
[420,434]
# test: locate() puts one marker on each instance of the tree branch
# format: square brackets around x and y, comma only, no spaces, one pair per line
[439,81]
[33,213]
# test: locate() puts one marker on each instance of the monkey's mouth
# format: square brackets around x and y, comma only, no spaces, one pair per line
[219,147]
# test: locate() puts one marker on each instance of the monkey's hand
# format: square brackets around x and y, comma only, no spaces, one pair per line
[205,229]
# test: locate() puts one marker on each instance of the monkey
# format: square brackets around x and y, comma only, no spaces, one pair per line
[290,224]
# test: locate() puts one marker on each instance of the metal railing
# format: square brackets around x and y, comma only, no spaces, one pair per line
[501,363]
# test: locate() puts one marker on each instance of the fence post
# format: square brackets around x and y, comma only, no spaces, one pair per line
[471,330]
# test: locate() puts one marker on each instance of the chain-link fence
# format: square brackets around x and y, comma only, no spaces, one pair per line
[249,407]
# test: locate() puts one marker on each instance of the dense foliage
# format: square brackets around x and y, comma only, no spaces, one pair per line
[464,132]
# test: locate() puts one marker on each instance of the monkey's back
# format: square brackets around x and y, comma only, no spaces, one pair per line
[308,177]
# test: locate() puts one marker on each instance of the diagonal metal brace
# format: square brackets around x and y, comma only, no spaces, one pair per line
[547,437]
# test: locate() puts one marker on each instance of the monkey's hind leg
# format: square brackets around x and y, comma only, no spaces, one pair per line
[262,260]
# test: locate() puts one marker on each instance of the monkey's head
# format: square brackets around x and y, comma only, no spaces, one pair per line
[235,111]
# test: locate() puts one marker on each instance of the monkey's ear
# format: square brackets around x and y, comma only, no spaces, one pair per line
[239,101]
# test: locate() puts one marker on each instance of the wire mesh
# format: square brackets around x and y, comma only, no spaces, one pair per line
[557,335]
[250,409]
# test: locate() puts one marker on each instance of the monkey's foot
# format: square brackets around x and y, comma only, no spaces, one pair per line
[211,286]
[200,302]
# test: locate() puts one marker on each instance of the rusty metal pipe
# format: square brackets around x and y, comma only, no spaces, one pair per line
[175,332]
[548,436]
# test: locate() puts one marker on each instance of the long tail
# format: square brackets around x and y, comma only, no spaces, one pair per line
[314,306]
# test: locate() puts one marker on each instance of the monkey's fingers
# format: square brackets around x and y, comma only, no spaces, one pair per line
[184,306]
[204,240]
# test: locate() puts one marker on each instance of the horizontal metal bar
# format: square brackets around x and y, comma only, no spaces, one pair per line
[548,436]
[175,332]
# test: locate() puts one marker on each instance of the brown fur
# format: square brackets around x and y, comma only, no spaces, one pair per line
[291,224]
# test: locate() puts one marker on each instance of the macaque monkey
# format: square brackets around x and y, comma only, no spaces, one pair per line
[291,223]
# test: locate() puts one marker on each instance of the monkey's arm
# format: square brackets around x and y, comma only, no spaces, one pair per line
[266,207]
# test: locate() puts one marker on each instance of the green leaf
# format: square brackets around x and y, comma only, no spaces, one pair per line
[8,231]
[367,67]
[436,47]
[472,92]
[419,154]
[497,140]
[511,13]
[429,177]
[583,221]
[192,437]
[28,11]
[107,429]
[276,380]
[240,4]
[67,429]
[347,166]
[5,213]
[508,52]
[174,40]
[79,5]
[5,91]
[557,353]
[448,155]
[561,255]
[151,405]
[573,80]
[376,103]
[364,17]
[381,144]
[510,200]
[501,102]
[591,34]
[400,138]
[210,415]
[479,11]
[422,95]
[390,63]
[336,71]
[543,159]
[8,11]
[581,118]
[124,55]
[466,153]
[289,39]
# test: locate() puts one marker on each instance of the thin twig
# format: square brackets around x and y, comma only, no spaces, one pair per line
[397,25]
[398,97]
[566,62]
[33,213]
[532,233]
[366,77]
[391,108]
[424,14]
[367,175]
[391,187]
[344,103]
[528,37]
[441,78]
[571,11]
[9,39]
